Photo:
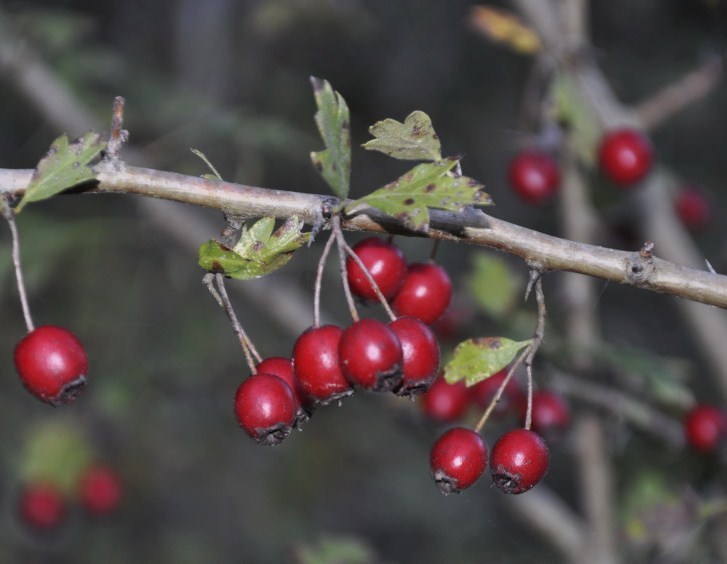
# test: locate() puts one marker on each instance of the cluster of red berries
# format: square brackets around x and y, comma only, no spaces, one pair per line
[43,507]
[328,363]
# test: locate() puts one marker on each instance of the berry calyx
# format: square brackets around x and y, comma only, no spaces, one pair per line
[265,408]
[692,208]
[42,506]
[534,176]
[445,402]
[518,461]
[550,415]
[52,364]
[420,355]
[100,490]
[370,355]
[317,367]
[425,293]
[458,458]
[384,261]
[512,400]
[625,156]
[705,428]
[283,368]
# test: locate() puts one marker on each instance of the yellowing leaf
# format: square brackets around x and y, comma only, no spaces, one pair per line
[506,28]
[492,285]
[477,359]
[413,140]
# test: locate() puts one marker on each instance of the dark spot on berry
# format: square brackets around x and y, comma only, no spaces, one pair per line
[508,482]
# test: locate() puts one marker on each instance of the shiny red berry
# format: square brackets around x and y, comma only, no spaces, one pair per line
[534,176]
[42,506]
[512,401]
[370,356]
[52,364]
[425,294]
[692,208]
[550,415]
[445,402]
[518,461]
[283,368]
[317,367]
[458,459]
[625,156]
[100,490]
[265,408]
[705,427]
[384,261]
[420,353]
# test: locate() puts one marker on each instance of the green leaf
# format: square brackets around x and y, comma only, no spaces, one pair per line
[428,185]
[334,163]
[492,285]
[413,140]
[260,251]
[477,359]
[63,167]
[573,110]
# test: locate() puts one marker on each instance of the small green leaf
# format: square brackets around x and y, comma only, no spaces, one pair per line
[334,163]
[477,359]
[219,259]
[215,175]
[63,167]
[492,285]
[413,140]
[573,110]
[428,185]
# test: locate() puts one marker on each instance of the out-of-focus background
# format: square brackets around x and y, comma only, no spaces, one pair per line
[232,80]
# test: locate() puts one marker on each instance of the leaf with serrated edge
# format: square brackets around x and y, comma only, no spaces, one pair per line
[413,140]
[334,163]
[63,167]
[217,258]
[477,359]
[428,185]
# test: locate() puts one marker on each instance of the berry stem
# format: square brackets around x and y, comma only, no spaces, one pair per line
[496,398]
[435,248]
[319,281]
[341,243]
[9,215]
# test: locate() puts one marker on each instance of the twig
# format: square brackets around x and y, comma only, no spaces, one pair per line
[319,280]
[537,340]
[9,215]
[341,243]
[118,136]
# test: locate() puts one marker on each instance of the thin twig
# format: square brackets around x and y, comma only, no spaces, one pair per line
[319,280]
[118,136]
[538,336]
[341,243]
[9,215]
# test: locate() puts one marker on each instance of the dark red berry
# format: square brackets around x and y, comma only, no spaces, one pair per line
[705,428]
[534,176]
[52,364]
[266,408]
[458,459]
[512,401]
[550,415]
[317,367]
[425,294]
[445,402]
[42,506]
[283,368]
[625,156]
[384,261]
[518,461]
[100,490]
[370,356]
[692,208]
[421,355]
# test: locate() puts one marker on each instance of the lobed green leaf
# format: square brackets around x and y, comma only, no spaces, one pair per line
[477,359]
[415,139]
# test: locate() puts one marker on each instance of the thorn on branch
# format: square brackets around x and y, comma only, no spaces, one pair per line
[118,136]
[639,266]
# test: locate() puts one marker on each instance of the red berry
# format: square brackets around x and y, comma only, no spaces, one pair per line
[512,401]
[42,506]
[445,402]
[425,294]
[625,156]
[534,176]
[283,369]
[692,208]
[384,261]
[550,415]
[458,459]
[265,407]
[52,364]
[370,356]
[100,490]
[316,364]
[421,355]
[705,428]
[518,461]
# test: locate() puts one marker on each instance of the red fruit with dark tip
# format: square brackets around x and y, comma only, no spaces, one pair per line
[518,461]
[458,459]
[52,364]
[266,408]
[100,490]
[420,355]
[512,401]
[705,427]
[550,415]
[425,294]
[384,261]
[445,402]
[283,368]
[692,208]
[370,355]
[534,176]
[42,506]
[625,156]
[317,367]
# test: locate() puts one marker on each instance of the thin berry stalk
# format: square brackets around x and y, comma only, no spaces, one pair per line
[9,215]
